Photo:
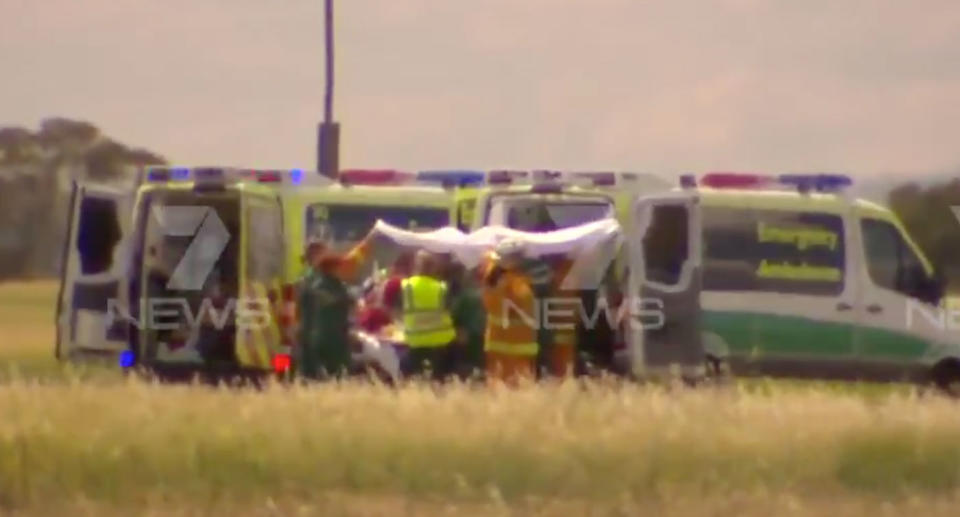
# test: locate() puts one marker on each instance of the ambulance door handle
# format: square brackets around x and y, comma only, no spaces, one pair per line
[874,309]
[844,306]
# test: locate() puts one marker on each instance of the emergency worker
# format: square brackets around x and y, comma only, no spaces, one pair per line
[511,337]
[324,308]
[561,327]
[427,326]
[540,274]
[469,319]
[392,279]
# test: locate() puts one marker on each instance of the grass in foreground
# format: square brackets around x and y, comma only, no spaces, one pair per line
[604,448]
[74,447]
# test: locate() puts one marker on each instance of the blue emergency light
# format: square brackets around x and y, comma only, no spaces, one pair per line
[126,359]
[816,182]
[158,175]
[296,176]
[456,177]
[208,174]
[180,173]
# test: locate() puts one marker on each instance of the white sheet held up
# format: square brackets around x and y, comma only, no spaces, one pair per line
[600,239]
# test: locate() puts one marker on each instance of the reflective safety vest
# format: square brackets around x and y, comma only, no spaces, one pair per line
[426,322]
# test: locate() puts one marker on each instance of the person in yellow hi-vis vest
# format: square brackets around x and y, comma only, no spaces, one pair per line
[427,326]
[511,334]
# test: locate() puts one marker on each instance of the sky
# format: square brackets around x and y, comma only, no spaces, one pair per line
[869,87]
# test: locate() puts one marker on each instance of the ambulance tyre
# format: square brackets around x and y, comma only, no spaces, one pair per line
[946,377]
[718,371]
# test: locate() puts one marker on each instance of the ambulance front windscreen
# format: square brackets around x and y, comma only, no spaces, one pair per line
[345,225]
[533,215]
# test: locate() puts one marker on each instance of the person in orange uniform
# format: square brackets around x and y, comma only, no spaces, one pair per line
[563,349]
[511,338]
[558,338]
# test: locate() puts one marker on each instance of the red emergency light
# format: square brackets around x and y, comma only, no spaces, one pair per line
[282,363]
[269,176]
[375,177]
[734,180]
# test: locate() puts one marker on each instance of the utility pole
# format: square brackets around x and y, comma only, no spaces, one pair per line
[328,136]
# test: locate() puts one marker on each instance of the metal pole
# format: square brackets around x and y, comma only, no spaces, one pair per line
[328,138]
[328,32]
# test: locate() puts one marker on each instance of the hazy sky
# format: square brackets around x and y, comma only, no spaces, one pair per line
[867,86]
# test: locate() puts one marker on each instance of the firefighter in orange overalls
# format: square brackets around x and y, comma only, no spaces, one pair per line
[563,346]
[511,334]
[558,336]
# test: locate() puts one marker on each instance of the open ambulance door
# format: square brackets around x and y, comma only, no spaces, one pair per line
[93,303]
[664,287]
[259,343]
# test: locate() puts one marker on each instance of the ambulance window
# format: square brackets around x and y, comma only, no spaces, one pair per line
[891,261]
[265,252]
[773,251]
[665,244]
[98,233]
[540,216]
[465,212]
[350,223]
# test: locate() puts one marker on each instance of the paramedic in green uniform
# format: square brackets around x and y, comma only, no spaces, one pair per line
[469,318]
[324,309]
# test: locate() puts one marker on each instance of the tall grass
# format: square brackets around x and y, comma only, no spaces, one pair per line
[75,447]
[134,442]
[26,319]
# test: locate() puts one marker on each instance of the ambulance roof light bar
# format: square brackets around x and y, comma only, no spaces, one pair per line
[601,179]
[817,182]
[688,181]
[826,183]
[375,177]
[453,178]
[507,177]
[219,175]
[736,180]
[541,176]
[555,177]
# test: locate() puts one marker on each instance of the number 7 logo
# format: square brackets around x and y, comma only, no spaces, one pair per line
[209,241]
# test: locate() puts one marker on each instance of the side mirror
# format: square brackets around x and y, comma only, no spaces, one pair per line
[931,289]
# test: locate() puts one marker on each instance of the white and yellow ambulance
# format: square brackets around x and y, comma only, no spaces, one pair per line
[795,278]
[194,270]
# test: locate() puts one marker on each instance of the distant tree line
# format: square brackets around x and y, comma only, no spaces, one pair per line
[927,212]
[37,168]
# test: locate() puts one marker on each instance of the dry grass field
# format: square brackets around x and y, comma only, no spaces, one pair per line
[72,445]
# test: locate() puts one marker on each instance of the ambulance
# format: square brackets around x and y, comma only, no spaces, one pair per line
[545,200]
[790,276]
[542,200]
[194,270]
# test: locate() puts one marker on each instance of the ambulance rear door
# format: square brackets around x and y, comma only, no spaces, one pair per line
[664,286]
[92,315]
[262,243]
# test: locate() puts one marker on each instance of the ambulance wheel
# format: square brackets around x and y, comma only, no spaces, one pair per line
[946,377]
[718,370]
